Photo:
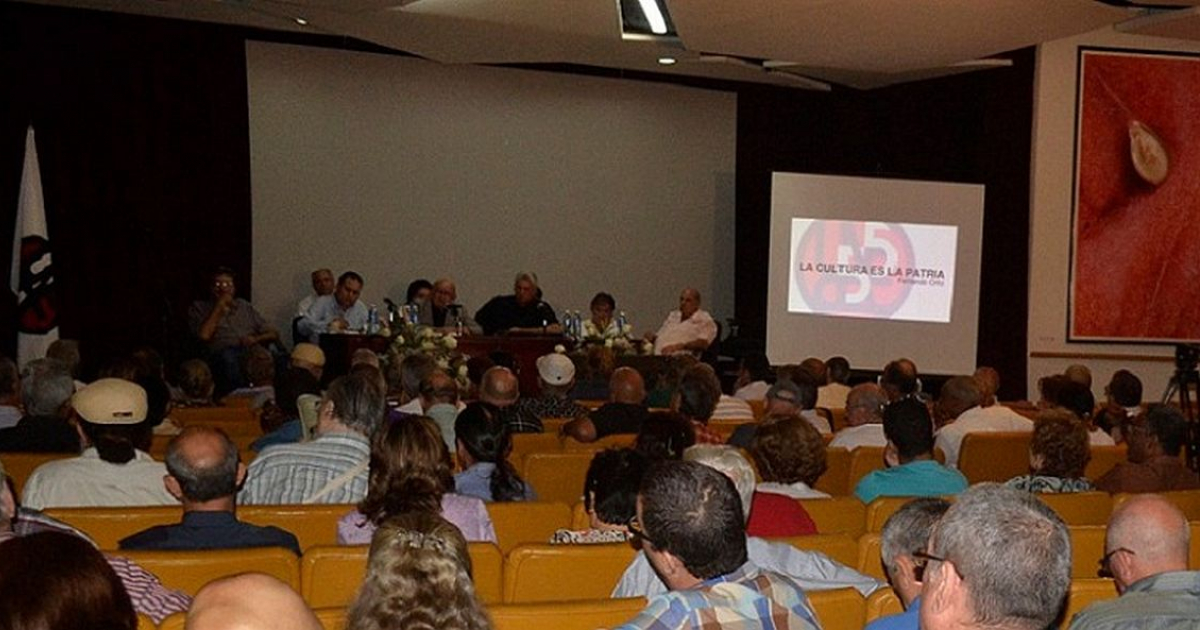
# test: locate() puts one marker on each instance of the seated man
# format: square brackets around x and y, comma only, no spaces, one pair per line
[1155,439]
[340,312]
[443,312]
[900,379]
[792,395]
[864,418]
[228,325]
[688,330]
[46,388]
[906,532]
[111,472]
[331,468]
[832,395]
[322,285]
[556,376]
[999,559]
[623,413]
[911,470]
[959,412]
[690,521]
[522,313]
[1146,546]
[501,389]
[250,601]
[204,473]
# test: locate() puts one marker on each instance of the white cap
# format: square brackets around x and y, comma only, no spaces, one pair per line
[556,369]
[111,401]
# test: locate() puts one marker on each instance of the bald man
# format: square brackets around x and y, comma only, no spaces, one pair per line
[250,601]
[623,413]
[688,330]
[1146,551]
[203,473]
[500,388]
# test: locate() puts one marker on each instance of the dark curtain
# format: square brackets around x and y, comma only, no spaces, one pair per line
[143,142]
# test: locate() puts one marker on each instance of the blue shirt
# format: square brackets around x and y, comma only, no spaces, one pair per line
[210,530]
[325,310]
[476,481]
[921,478]
[908,620]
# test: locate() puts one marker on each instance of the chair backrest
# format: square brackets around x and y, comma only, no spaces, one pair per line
[525,444]
[1103,459]
[188,571]
[576,615]
[1085,592]
[547,573]
[1194,552]
[520,522]
[557,477]
[839,609]
[870,561]
[20,465]
[1080,508]
[837,515]
[332,618]
[759,407]
[311,524]
[174,621]
[579,517]
[331,575]
[839,547]
[145,622]
[837,472]
[554,425]
[838,418]
[231,420]
[883,602]
[863,460]
[107,526]
[1087,548]
[881,508]
[617,440]
[998,456]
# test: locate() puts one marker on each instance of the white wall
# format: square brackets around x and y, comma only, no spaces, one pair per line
[1054,141]
[399,168]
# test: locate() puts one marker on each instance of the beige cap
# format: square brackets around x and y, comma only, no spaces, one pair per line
[111,401]
[556,369]
[309,353]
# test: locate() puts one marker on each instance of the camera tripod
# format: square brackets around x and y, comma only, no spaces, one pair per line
[1186,383]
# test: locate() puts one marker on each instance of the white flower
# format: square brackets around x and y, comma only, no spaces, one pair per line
[561,349]
[426,333]
[399,340]
[462,371]
[443,363]
[427,346]
[450,342]
[608,343]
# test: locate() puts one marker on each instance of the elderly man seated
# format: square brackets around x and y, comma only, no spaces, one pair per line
[689,329]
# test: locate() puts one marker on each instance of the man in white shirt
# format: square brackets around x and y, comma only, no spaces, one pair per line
[688,329]
[832,395]
[959,406]
[864,418]
[339,312]
[322,284]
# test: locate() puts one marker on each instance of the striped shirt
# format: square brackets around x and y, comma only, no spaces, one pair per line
[746,599]
[291,473]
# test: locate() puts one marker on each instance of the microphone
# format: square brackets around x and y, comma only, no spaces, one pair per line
[390,303]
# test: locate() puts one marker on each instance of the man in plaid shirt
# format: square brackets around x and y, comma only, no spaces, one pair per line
[690,523]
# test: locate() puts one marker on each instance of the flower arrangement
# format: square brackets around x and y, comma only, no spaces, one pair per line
[441,347]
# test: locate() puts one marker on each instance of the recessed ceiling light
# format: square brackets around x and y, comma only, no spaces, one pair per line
[667,61]
[301,21]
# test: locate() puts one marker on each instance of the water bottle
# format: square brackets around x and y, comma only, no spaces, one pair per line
[372,320]
[577,325]
[568,329]
[622,324]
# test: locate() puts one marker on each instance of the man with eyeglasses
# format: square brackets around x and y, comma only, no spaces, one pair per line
[999,559]
[443,312]
[864,418]
[905,533]
[228,325]
[690,522]
[1156,440]
[1146,548]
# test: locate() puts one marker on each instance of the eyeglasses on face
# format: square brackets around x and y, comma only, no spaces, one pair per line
[924,558]
[635,528]
[1106,562]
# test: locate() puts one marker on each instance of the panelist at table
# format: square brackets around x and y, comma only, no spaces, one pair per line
[339,312]
[521,313]
[440,310]
[688,330]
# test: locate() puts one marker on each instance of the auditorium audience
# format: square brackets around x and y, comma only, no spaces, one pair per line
[624,413]
[959,412]
[1058,391]
[414,368]
[794,394]
[1146,554]
[1156,439]
[46,389]
[664,435]
[322,284]
[1080,374]
[111,472]
[1122,401]
[259,368]
[195,384]
[250,601]
[832,395]
[688,330]
[67,351]
[864,418]
[690,522]
[904,533]
[439,402]
[556,378]
[1058,454]
[227,325]
[203,473]
[418,576]
[998,559]
[911,470]
[10,393]
[332,468]
[340,311]
[602,325]
[501,389]
[989,383]
[411,471]
[609,497]
[280,418]
[899,379]
[696,398]
[310,358]
[418,292]
[483,445]
[754,377]
[522,313]
[790,456]
[442,310]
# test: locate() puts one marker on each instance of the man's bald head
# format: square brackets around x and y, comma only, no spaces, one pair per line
[958,395]
[626,386]
[989,381]
[250,601]
[499,387]
[1153,536]
[203,462]
[864,404]
[899,379]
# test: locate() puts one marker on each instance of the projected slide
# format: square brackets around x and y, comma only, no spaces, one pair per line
[874,270]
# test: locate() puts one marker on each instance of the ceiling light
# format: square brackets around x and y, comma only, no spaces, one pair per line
[667,61]
[301,21]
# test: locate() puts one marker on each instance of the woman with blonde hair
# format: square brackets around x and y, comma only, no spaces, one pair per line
[418,578]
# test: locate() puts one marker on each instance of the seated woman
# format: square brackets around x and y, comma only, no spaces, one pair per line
[790,455]
[483,447]
[1058,454]
[610,497]
[411,472]
[418,576]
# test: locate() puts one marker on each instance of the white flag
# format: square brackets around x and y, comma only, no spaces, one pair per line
[32,278]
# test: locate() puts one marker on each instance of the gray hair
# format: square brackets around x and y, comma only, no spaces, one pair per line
[357,402]
[218,479]
[46,385]
[415,368]
[528,276]
[907,530]
[1012,552]
[729,461]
